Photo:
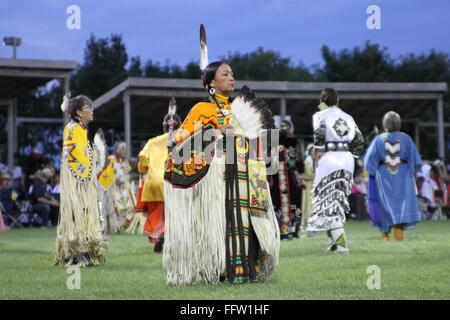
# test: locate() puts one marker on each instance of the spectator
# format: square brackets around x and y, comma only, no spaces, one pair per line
[49,164]
[56,190]
[41,199]
[423,201]
[3,226]
[18,176]
[440,194]
[428,189]
[3,169]
[358,197]
[308,178]
[9,197]
[33,163]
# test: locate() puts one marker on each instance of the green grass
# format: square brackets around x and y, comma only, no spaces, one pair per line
[417,268]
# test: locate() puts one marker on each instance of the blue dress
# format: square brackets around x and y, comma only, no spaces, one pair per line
[391,161]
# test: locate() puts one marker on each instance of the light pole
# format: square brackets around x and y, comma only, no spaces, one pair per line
[12,41]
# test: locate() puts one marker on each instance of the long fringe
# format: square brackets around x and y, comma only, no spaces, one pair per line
[330,202]
[194,245]
[79,232]
[111,223]
[268,234]
[137,223]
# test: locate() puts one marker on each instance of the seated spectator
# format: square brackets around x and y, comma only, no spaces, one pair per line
[3,169]
[49,164]
[32,164]
[18,177]
[3,226]
[56,190]
[42,201]
[8,196]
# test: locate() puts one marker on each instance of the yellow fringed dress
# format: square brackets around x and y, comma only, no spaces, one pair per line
[124,195]
[106,189]
[151,164]
[79,233]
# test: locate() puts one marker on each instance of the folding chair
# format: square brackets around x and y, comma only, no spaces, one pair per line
[20,216]
[12,217]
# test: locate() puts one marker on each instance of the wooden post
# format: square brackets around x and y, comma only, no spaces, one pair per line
[440,120]
[283,108]
[127,121]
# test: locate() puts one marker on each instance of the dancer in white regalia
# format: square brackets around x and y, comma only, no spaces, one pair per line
[339,141]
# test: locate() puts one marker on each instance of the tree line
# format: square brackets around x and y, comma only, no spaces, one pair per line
[106,64]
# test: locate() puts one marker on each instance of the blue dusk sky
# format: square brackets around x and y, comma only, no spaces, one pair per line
[167,30]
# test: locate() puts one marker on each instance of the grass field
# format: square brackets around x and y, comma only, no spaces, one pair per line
[417,268]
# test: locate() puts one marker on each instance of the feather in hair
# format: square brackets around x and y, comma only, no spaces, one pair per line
[65,103]
[203,49]
[172,107]
[100,144]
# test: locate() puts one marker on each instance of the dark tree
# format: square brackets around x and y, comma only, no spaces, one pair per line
[103,67]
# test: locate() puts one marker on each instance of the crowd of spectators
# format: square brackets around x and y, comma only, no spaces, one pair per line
[433,191]
[29,195]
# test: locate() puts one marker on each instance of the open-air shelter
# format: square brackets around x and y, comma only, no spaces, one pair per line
[137,106]
[18,75]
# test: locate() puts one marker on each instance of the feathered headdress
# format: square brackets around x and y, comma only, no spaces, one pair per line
[65,104]
[172,115]
[172,107]
[203,49]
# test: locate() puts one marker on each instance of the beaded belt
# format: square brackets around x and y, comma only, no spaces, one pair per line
[335,146]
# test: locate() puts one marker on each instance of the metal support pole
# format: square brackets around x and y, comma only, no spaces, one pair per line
[65,83]
[417,136]
[440,120]
[11,134]
[127,121]
[15,124]
[283,108]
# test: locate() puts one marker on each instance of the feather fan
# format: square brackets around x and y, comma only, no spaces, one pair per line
[100,144]
[253,114]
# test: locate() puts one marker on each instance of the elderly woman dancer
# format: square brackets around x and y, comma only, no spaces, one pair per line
[79,233]
[391,160]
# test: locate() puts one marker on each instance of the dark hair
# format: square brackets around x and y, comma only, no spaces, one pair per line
[210,72]
[76,104]
[329,96]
